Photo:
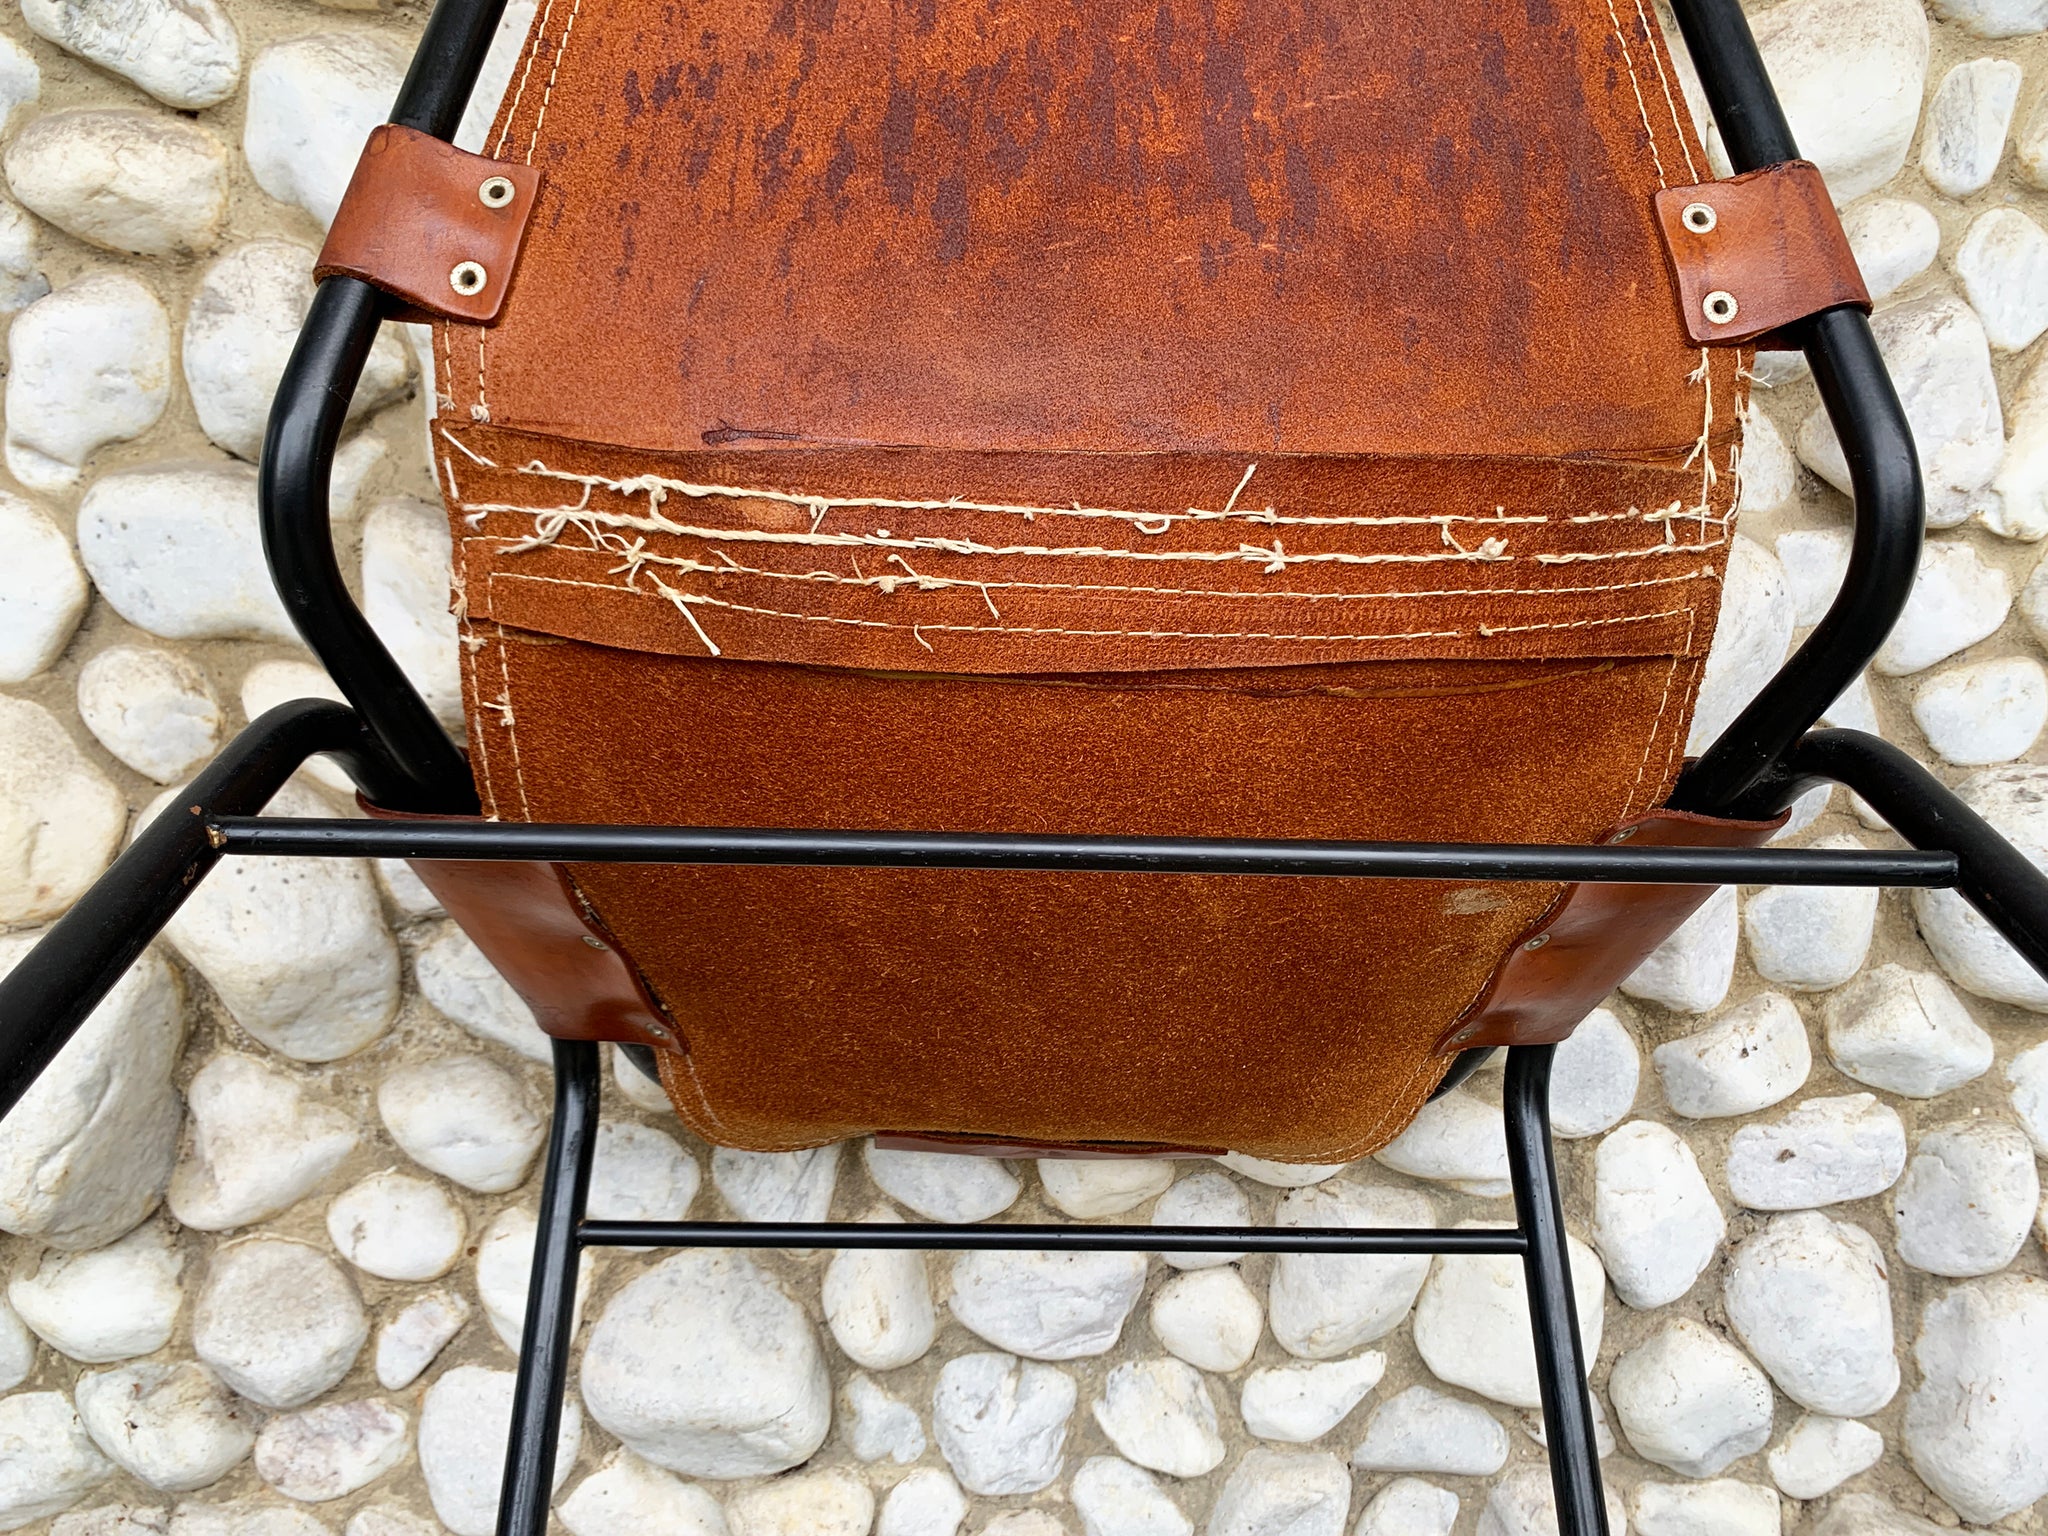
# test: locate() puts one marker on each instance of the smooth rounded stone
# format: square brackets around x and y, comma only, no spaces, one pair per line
[1209,1318]
[1977,1425]
[239,330]
[627,1497]
[1815,560]
[1870,1514]
[1209,1198]
[1957,600]
[271,683]
[408,1343]
[176,550]
[406,558]
[60,817]
[1522,1504]
[1820,1453]
[1824,1152]
[754,1399]
[1748,1059]
[1263,1170]
[828,1502]
[878,1425]
[776,1186]
[89,364]
[21,82]
[1855,709]
[323,1452]
[122,178]
[279,1320]
[455,976]
[1769,474]
[1967,1199]
[1812,938]
[112,1520]
[1456,1140]
[1157,1413]
[17,1350]
[1047,1306]
[183,52]
[397,1227]
[21,279]
[943,1186]
[928,1502]
[463,1118]
[465,1419]
[42,590]
[1001,1422]
[2014,800]
[1300,1403]
[255,1146]
[109,1304]
[47,1461]
[387,1520]
[1994,18]
[1409,1507]
[86,1152]
[1966,125]
[1024,1522]
[2003,267]
[1114,1498]
[1282,1493]
[1087,1188]
[1983,712]
[1594,1076]
[1808,1297]
[1849,74]
[640,1174]
[504,1271]
[1689,1400]
[2028,1075]
[878,1303]
[406,891]
[1724,1507]
[153,709]
[312,101]
[641,1090]
[257,1517]
[174,1425]
[1905,1032]
[2018,504]
[1690,971]
[1472,1322]
[1655,1221]
[1894,240]
[1320,1306]
[1750,641]
[1421,1430]
[1940,360]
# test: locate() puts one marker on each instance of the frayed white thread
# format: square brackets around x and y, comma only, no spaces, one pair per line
[682,602]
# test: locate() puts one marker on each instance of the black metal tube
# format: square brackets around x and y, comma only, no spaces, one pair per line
[1560,1358]
[445,65]
[577,843]
[1022,1237]
[57,985]
[551,1296]
[1745,107]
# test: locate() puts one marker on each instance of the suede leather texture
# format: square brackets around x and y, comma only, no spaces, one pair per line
[1130,419]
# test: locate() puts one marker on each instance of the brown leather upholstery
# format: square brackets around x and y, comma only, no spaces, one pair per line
[1091,417]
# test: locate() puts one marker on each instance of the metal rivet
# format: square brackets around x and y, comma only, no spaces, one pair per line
[1700,218]
[1623,835]
[1719,306]
[593,941]
[467,278]
[496,191]
[1538,942]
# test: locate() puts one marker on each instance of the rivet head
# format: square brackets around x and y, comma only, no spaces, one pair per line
[467,277]
[1719,306]
[496,191]
[1700,218]
[593,941]
[1538,942]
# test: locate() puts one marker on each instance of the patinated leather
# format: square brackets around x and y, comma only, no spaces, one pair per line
[1776,248]
[1119,418]
[413,213]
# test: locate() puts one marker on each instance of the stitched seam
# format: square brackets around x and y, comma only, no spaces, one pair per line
[1636,84]
[1657,725]
[1630,554]
[1652,42]
[512,732]
[548,95]
[483,748]
[519,92]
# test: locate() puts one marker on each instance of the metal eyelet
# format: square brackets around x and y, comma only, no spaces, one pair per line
[1719,306]
[1538,942]
[1700,218]
[496,191]
[467,278]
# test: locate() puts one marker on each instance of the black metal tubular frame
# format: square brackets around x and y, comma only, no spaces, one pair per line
[398,753]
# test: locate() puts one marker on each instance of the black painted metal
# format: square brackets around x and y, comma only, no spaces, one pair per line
[1546,1262]
[539,1388]
[1021,1237]
[57,985]
[576,843]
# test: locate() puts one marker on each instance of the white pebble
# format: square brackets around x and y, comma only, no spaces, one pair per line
[255,1148]
[943,1186]
[279,1320]
[1994,18]
[627,1497]
[1264,1170]
[1472,1322]
[1409,1507]
[1282,1493]
[1209,1318]
[1967,123]
[1957,600]
[465,1418]
[172,1425]
[312,101]
[1967,1199]
[261,1517]
[1905,1032]
[1300,1403]
[2028,1075]
[463,1118]
[2018,505]
[42,591]
[1690,971]
[1894,241]
[1689,1400]
[1824,1152]
[776,1186]
[1320,1306]
[1420,1430]
[123,178]
[1209,1198]
[271,683]
[1086,1188]
[1114,1498]
[1594,1076]
[183,52]
[878,1303]
[2014,800]
[1819,1454]
[1454,1139]
[1522,1504]
[1749,642]
[89,364]
[1809,1298]
[1815,560]
[1748,1059]
[455,976]
[397,1227]
[1001,1422]
[827,1502]
[1655,1222]
[323,1452]
[21,82]
[60,817]
[111,1303]
[640,1174]
[926,1503]
[1723,1507]
[2003,267]
[1977,1425]
[878,1425]
[1047,1306]
[504,1270]
[1981,712]
[1811,938]
[17,1350]
[1769,474]
[406,599]
[641,1090]
[153,709]
[1157,1413]
[408,1343]
[1849,74]
[47,1461]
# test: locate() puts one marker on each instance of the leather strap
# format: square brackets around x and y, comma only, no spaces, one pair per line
[1592,937]
[986,1146]
[436,227]
[1755,253]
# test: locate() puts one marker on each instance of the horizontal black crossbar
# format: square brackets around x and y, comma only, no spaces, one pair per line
[575,843]
[1018,1237]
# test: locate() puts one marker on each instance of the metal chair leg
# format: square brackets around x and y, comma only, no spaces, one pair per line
[543,1378]
[1560,1358]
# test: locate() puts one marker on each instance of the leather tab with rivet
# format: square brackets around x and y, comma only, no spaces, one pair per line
[436,227]
[1756,253]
